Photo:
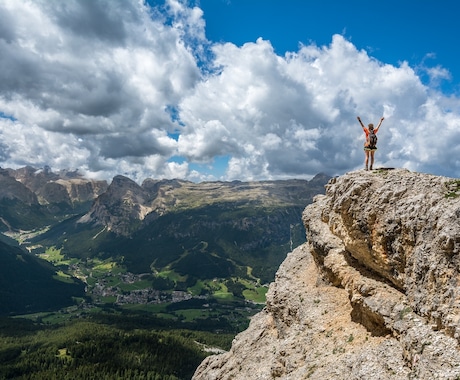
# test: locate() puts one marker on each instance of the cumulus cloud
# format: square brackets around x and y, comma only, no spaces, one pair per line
[122,88]
[96,77]
[295,115]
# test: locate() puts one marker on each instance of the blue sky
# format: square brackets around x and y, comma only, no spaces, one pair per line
[228,89]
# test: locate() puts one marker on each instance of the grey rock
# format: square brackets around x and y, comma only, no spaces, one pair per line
[373,294]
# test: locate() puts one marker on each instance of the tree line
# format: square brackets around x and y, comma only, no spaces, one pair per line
[87,349]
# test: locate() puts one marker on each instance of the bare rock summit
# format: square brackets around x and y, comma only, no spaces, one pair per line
[373,294]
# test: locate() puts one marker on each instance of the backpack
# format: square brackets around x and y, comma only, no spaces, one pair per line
[372,139]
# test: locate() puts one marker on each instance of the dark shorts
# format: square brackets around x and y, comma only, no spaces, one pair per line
[370,148]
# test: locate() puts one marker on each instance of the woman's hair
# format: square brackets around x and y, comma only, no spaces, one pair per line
[371,126]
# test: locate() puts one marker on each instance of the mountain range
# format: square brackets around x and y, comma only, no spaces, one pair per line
[178,234]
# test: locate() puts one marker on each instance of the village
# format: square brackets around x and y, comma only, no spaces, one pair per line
[103,289]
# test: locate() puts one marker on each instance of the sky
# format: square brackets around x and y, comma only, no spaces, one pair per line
[208,90]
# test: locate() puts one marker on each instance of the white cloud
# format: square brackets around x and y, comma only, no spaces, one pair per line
[97,75]
[119,88]
[296,115]
[208,140]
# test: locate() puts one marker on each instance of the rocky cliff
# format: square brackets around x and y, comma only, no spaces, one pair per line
[64,186]
[373,294]
[33,198]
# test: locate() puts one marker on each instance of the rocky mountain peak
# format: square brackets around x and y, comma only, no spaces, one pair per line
[32,198]
[373,294]
[12,189]
[62,187]
[121,207]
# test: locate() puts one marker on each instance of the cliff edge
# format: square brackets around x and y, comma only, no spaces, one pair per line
[373,294]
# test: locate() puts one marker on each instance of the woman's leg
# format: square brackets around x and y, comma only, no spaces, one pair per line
[366,152]
[372,158]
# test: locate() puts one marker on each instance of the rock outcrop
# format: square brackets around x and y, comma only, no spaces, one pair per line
[63,187]
[373,294]
[12,189]
[33,198]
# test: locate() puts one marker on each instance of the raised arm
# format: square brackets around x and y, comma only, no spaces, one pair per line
[360,122]
[380,123]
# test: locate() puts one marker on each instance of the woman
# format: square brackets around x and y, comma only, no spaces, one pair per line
[370,147]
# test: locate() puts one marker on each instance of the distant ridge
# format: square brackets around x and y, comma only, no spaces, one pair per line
[178,235]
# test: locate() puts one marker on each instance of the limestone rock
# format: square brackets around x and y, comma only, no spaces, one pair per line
[66,187]
[372,295]
[12,189]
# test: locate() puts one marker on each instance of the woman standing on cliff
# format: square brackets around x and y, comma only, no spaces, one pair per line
[371,140]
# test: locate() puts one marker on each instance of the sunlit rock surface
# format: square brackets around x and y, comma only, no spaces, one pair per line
[373,294]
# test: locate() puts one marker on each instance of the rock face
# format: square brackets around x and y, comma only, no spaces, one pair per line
[374,294]
[121,207]
[12,189]
[32,198]
[65,187]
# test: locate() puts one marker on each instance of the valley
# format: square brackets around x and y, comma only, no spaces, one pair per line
[170,262]
[108,285]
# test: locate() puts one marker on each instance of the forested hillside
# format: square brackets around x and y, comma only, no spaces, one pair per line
[96,349]
[29,284]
